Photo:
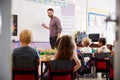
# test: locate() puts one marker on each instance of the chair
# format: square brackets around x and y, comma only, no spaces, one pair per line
[61,70]
[85,69]
[102,63]
[25,68]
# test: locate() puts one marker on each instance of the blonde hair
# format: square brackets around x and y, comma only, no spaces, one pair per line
[86,42]
[26,36]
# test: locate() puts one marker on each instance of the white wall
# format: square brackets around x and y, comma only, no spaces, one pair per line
[81,15]
[108,5]
[82,7]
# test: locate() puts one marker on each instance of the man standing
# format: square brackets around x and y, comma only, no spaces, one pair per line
[54,27]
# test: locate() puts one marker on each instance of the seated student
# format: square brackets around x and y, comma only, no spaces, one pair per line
[86,49]
[25,50]
[86,44]
[103,48]
[110,47]
[66,50]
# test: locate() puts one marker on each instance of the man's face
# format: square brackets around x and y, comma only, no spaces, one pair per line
[50,14]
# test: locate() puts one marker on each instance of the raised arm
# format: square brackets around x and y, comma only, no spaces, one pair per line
[44,25]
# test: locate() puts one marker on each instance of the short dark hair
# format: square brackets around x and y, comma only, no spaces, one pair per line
[103,41]
[50,9]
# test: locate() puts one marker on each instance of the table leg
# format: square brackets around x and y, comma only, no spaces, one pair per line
[41,70]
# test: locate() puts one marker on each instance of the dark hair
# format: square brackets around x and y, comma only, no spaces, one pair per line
[109,46]
[66,48]
[50,9]
[103,41]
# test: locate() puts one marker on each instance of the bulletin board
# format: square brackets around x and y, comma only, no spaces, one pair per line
[96,23]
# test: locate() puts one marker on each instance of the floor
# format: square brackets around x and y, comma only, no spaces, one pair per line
[99,77]
[92,79]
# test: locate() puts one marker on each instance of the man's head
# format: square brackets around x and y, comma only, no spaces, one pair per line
[50,12]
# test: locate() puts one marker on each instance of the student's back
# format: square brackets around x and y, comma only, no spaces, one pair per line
[25,51]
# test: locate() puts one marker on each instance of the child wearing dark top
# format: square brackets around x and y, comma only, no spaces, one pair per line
[25,50]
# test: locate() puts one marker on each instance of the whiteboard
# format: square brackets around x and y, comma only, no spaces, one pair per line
[32,15]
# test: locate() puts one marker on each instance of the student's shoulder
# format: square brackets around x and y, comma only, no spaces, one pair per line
[17,49]
[32,49]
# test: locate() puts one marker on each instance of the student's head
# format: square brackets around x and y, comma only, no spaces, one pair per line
[85,42]
[109,46]
[102,41]
[25,36]
[50,12]
[66,48]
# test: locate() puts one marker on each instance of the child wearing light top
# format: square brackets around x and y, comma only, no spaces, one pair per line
[86,44]
[86,48]
[103,48]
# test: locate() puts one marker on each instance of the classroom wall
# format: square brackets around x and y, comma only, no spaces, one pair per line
[35,13]
[102,7]
[77,20]
[82,7]
[107,5]
[32,16]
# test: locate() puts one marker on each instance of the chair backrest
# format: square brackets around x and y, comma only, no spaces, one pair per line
[25,62]
[102,55]
[102,63]
[86,63]
[25,68]
[61,69]
[87,55]
[83,55]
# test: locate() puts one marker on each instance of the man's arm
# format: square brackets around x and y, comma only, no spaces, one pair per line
[58,36]
[44,25]
[59,28]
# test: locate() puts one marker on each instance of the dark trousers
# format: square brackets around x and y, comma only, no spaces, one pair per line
[53,41]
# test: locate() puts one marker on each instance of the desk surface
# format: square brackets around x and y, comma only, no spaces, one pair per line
[45,58]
